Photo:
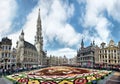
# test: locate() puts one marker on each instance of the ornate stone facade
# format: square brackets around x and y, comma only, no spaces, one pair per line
[29,54]
[109,55]
[6,58]
[86,55]
[26,53]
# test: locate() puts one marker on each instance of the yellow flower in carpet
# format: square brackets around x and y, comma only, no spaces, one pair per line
[93,78]
[33,82]
[65,82]
[88,78]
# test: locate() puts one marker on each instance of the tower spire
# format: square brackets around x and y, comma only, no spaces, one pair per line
[22,33]
[39,19]
[82,44]
[38,36]
[21,37]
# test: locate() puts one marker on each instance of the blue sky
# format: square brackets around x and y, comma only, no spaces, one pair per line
[64,22]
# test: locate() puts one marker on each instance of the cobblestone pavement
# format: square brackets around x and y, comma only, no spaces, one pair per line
[5,81]
[103,81]
[114,79]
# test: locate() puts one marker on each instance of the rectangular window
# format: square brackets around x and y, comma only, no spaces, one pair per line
[9,60]
[2,47]
[9,54]
[6,48]
[9,47]
[5,54]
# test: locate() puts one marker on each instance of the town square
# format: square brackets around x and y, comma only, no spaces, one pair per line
[59,42]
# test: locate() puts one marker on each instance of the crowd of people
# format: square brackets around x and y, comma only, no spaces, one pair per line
[10,71]
[6,71]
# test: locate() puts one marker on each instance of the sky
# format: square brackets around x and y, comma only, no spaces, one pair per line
[64,23]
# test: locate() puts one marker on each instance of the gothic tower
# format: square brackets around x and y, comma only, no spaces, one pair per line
[39,39]
[20,50]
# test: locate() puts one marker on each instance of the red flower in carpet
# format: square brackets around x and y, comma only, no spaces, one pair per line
[80,81]
[23,80]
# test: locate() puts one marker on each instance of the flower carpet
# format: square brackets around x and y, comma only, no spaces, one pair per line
[59,75]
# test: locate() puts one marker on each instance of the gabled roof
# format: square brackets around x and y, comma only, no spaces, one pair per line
[29,46]
[6,41]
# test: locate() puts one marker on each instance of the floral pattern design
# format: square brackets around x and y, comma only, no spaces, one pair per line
[25,78]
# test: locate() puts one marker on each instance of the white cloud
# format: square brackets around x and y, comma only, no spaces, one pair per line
[68,35]
[68,52]
[113,9]
[15,38]
[94,19]
[7,12]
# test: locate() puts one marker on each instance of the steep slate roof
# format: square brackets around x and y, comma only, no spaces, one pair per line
[6,41]
[29,45]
